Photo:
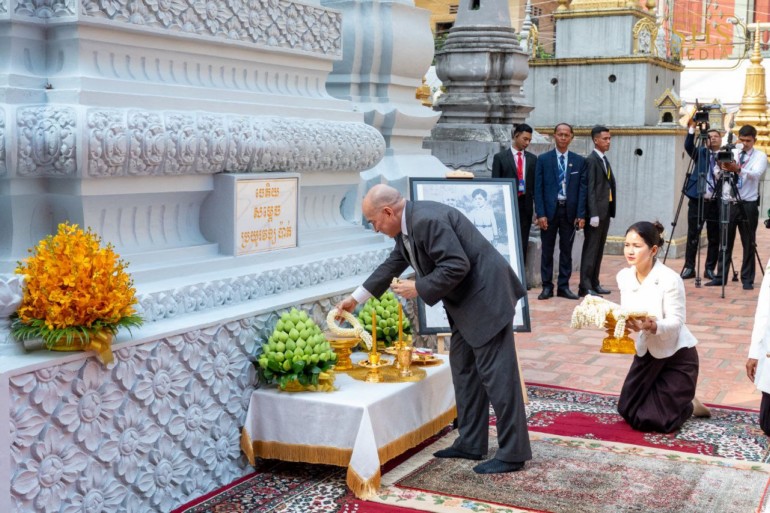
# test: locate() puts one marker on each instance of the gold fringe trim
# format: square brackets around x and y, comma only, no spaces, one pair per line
[294,452]
[409,440]
[363,489]
[341,457]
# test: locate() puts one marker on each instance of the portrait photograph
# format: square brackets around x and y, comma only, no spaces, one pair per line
[490,204]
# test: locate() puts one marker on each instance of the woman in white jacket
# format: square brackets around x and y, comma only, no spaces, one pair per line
[758,364]
[659,391]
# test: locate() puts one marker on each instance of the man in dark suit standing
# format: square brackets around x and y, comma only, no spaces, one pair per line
[455,264]
[705,162]
[560,197]
[601,201]
[515,162]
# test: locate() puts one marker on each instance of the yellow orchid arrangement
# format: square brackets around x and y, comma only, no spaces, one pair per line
[77,293]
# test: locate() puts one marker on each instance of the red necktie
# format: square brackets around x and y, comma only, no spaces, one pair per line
[520,169]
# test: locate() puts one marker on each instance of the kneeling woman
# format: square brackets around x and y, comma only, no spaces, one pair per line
[659,391]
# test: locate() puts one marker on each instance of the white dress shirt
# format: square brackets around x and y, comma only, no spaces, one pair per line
[747,181]
[760,336]
[361,295]
[661,295]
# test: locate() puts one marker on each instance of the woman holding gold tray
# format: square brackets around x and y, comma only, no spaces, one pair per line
[659,391]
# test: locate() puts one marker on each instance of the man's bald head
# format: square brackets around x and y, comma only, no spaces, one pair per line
[383,206]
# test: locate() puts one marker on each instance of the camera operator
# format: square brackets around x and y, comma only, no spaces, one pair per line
[742,176]
[705,161]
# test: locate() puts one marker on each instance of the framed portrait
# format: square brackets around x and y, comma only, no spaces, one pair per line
[490,203]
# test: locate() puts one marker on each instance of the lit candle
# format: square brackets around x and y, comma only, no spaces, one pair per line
[400,325]
[374,331]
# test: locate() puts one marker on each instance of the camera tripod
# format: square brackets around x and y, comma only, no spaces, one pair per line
[725,216]
[697,161]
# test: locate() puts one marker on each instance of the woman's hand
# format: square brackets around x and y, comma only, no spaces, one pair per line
[645,324]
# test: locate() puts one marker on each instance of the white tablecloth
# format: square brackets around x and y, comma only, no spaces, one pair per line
[361,425]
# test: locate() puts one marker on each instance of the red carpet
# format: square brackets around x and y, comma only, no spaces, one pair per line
[303,488]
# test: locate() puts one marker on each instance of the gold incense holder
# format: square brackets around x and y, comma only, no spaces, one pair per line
[343,347]
[374,364]
[610,344]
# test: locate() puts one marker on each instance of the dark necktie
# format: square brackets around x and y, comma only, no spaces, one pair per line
[743,158]
[609,174]
[520,172]
[562,173]
[409,253]
[712,165]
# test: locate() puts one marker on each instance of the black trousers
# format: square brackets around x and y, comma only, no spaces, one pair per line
[593,251]
[764,413]
[489,374]
[743,217]
[526,209]
[565,228]
[694,227]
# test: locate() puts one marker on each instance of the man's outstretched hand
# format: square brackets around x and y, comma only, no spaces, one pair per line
[347,304]
[404,288]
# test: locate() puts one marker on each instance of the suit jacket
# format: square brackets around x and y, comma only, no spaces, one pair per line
[701,158]
[760,335]
[456,265]
[504,166]
[598,188]
[548,187]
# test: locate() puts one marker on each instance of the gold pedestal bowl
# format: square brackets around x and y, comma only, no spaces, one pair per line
[612,344]
[343,347]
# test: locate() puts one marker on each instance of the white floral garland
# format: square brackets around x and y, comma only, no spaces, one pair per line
[593,312]
[356,331]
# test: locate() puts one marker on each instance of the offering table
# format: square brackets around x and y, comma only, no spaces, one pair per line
[360,425]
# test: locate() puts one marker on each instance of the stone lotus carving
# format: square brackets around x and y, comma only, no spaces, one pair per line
[148,143]
[45,9]
[11,293]
[136,457]
[271,23]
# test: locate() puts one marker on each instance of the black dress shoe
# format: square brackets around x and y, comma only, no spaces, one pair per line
[567,293]
[495,466]
[592,292]
[601,290]
[547,293]
[748,286]
[709,274]
[451,452]
[716,282]
[687,273]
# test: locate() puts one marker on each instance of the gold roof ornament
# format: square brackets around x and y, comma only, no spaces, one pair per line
[668,105]
[645,36]
[563,5]
[579,5]
[423,94]
[753,109]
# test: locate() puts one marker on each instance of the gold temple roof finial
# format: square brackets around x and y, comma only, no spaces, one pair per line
[753,108]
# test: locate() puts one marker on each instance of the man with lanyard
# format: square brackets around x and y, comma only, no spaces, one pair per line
[705,165]
[747,168]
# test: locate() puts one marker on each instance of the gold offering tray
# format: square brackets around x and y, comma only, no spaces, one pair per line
[625,344]
[425,360]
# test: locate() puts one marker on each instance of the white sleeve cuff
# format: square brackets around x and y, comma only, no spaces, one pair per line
[361,295]
[691,130]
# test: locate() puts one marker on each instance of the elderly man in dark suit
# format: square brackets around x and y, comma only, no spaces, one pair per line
[515,162]
[601,201]
[455,264]
[560,197]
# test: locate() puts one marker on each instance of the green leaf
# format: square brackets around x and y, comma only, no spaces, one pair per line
[297,366]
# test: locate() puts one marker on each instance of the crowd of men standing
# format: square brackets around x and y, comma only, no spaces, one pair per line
[563,192]
[566,192]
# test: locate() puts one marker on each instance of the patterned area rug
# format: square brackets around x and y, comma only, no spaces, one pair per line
[731,434]
[571,475]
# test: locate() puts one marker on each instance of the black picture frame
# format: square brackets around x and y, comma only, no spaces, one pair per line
[498,220]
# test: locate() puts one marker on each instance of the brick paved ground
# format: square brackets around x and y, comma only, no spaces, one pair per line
[556,354]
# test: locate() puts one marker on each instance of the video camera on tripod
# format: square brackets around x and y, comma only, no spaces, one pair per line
[702,114]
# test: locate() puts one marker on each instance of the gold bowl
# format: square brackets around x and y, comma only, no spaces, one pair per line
[343,347]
